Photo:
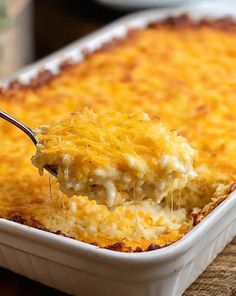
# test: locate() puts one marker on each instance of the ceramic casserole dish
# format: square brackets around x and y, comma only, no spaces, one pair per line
[78,268]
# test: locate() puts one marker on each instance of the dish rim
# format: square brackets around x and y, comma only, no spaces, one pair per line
[173,250]
[123,25]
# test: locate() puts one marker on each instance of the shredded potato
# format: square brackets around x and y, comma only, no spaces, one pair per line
[115,157]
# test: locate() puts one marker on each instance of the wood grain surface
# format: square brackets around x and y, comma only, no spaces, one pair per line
[219,279]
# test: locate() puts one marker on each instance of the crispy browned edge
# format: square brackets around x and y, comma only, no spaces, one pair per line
[177,22]
[45,76]
[120,246]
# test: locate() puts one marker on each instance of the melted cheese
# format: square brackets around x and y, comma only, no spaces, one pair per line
[109,155]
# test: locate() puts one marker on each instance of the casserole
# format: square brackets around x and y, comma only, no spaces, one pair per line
[116,169]
[149,273]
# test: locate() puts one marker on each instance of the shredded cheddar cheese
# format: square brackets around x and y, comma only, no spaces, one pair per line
[115,157]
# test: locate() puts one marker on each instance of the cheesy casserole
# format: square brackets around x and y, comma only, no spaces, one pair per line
[180,69]
[115,157]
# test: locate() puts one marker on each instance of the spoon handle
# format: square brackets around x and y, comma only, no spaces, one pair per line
[20,125]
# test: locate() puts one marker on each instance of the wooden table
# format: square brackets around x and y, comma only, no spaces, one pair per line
[74,19]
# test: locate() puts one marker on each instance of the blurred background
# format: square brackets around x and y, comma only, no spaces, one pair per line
[32,29]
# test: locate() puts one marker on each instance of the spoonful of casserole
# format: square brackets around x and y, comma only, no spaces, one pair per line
[114,157]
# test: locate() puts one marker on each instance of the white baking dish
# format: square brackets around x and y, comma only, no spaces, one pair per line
[138,4]
[82,269]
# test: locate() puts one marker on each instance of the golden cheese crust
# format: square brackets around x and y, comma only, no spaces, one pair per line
[115,157]
[184,71]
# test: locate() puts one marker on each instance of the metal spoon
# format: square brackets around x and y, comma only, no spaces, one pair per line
[28,132]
